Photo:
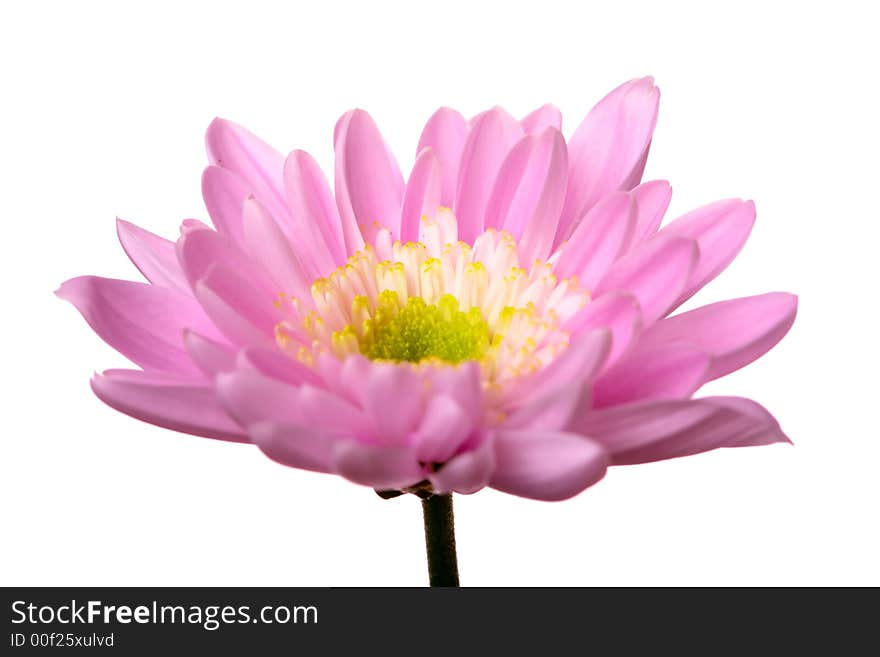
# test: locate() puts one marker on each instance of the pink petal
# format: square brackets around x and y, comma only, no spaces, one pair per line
[382,239]
[369,186]
[200,249]
[352,374]
[244,313]
[655,273]
[493,135]
[154,256]
[546,116]
[445,134]
[188,226]
[608,147]
[552,411]
[345,377]
[265,243]
[583,357]
[332,413]
[251,397]
[384,468]
[316,225]
[651,431]
[670,372]
[442,430]
[422,197]
[393,401]
[601,237]
[635,176]
[467,472]
[170,402]
[463,384]
[546,465]
[144,323]
[733,332]
[295,446]
[537,239]
[328,368]
[278,365]
[210,355]
[259,165]
[652,199]
[720,230]
[352,238]
[760,415]
[616,311]
[501,209]
[224,193]
[529,192]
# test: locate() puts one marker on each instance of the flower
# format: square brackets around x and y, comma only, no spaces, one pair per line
[500,318]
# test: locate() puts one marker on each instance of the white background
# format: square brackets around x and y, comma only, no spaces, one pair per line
[104,107]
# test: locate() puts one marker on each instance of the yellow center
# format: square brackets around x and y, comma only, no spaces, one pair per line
[438,300]
[415,331]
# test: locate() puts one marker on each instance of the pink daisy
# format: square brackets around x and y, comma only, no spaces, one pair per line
[500,318]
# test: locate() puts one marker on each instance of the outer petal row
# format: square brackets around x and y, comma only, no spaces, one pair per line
[143,322]
[652,431]
[608,148]
[176,403]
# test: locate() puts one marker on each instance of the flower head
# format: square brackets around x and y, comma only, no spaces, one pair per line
[501,318]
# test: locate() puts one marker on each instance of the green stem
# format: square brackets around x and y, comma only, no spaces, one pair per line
[440,540]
